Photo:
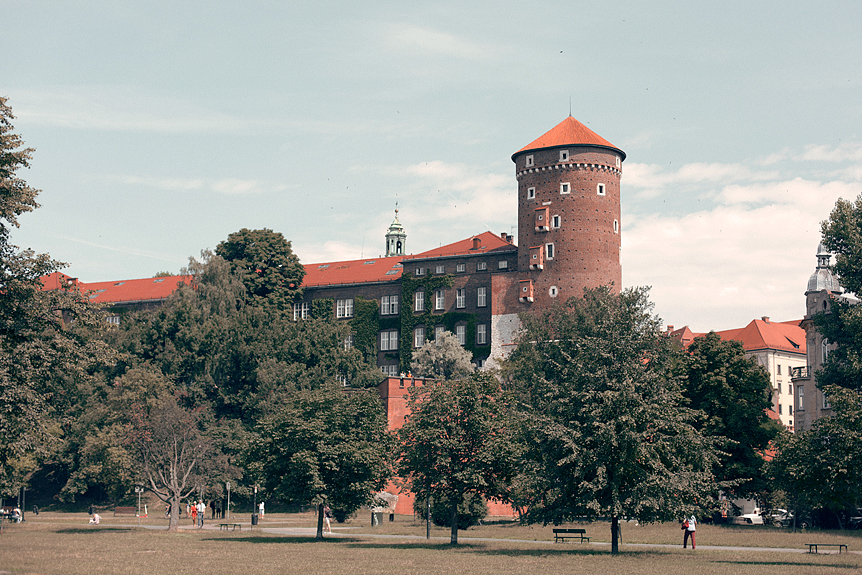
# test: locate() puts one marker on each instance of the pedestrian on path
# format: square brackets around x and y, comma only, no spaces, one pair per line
[689,526]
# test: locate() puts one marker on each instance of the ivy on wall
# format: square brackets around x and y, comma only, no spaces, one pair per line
[366,325]
[322,308]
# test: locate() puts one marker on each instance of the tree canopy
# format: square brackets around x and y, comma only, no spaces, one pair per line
[608,431]
[443,358]
[733,393]
[459,441]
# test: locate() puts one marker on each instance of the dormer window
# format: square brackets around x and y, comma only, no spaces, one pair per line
[542,224]
[525,294]
[537,258]
[564,155]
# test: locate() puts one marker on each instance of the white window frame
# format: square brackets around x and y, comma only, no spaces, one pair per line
[344,308]
[564,155]
[348,342]
[389,305]
[440,270]
[296,308]
[461,334]
[503,265]
[482,334]
[420,272]
[556,222]
[565,187]
[531,193]
[418,336]
[439,299]
[549,251]
[389,340]
[529,161]
[601,190]
[616,226]
[306,310]
[800,400]
[460,267]
[460,298]
[481,266]
[419,300]
[481,297]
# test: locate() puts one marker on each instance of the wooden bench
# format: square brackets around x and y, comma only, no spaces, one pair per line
[563,534]
[125,511]
[812,547]
[233,526]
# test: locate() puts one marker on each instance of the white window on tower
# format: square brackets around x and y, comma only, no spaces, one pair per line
[531,193]
[565,188]
[600,189]
[460,333]
[529,161]
[460,298]
[800,403]
[549,251]
[556,221]
[564,155]
[481,334]
[419,300]
[439,299]
[616,226]
[481,297]
[419,336]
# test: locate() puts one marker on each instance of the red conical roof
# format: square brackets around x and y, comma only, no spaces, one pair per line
[569,132]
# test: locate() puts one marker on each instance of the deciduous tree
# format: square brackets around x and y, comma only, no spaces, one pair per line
[609,434]
[443,358]
[458,442]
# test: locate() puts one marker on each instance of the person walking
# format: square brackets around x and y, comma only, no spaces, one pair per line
[202,511]
[194,511]
[327,519]
[261,509]
[689,527]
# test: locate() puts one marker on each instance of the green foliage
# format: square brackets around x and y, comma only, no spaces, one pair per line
[324,446]
[265,263]
[442,359]
[606,426]
[458,440]
[365,326]
[409,319]
[822,466]
[321,308]
[16,197]
[733,393]
[471,511]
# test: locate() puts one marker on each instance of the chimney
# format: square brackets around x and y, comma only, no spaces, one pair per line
[476,242]
[765,318]
[669,328]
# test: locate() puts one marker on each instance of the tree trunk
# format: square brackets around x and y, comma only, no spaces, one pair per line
[454,539]
[174,521]
[615,534]
[319,522]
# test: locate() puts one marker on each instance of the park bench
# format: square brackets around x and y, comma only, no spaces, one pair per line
[563,534]
[233,526]
[812,547]
[125,511]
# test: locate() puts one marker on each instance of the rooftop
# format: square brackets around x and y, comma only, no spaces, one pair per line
[569,132]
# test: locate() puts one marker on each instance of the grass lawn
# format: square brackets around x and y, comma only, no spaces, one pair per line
[57,543]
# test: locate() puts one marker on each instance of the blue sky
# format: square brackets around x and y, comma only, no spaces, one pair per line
[161,127]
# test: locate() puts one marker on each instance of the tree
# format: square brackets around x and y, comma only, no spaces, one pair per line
[458,443]
[324,446]
[733,394]
[265,263]
[823,466]
[842,323]
[42,361]
[443,359]
[608,432]
[175,458]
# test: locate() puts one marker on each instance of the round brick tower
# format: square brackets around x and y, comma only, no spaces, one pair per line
[568,214]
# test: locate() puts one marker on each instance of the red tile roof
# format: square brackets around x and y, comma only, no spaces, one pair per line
[569,132]
[765,334]
[122,291]
[389,269]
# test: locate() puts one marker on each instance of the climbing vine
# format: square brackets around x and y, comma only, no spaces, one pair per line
[322,308]
[365,325]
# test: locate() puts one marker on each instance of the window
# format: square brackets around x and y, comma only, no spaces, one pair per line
[616,226]
[438,332]
[390,370]
[825,401]
[344,308]
[460,298]
[800,403]
[790,389]
[460,332]
[440,270]
[502,265]
[531,193]
[113,319]
[549,251]
[600,189]
[618,161]
[556,221]
[481,297]
[301,311]
[528,161]
[389,305]
[789,410]
[419,300]
[348,343]
[461,268]
[419,336]
[564,155]
[481,266]
[420,271]
[778,368]
[341,378]
[553,291]
[389,340]
[482,334]
[825,347]
[779,409]
[439,299]
[565,188]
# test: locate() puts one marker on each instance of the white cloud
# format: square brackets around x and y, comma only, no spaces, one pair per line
[653,176]
[823,153]
[428,42]
[228,186]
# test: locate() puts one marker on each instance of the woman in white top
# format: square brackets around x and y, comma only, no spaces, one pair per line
[689,531]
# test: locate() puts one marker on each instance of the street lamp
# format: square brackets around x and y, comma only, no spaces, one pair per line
[139,489]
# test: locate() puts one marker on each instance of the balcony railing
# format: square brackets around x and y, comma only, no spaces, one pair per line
[800,372]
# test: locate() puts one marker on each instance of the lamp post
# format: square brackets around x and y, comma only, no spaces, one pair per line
[254,507]
[228,499]
[139,489]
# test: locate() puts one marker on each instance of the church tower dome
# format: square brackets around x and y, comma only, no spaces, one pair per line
[822,278]
[396,238]
[568,213]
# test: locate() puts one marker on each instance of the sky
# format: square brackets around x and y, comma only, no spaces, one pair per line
[162,127]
